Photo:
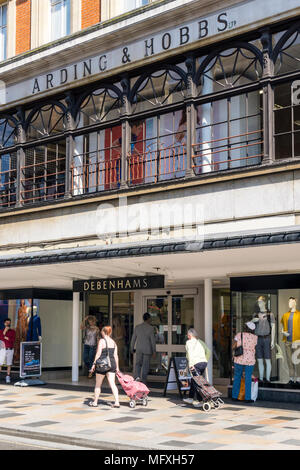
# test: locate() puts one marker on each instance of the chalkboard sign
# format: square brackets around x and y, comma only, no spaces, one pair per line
[31,359]
[178,376]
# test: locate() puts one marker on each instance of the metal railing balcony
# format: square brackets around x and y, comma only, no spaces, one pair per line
[8,188]
[43,181]
[226,153]
[156,165]
[94,172]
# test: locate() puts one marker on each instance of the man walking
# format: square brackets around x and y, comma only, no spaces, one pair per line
[144,339]
[7,336]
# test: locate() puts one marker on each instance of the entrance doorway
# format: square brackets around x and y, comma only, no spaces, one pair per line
[172,315]
[115,309]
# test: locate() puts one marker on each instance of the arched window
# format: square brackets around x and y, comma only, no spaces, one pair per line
[96,164]
[102,105]
[286,54]
[8,162]
[229,68]
[158,89]
[8,131]
[45,121]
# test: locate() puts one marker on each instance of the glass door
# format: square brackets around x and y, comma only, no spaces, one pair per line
[122,324]
[172,316]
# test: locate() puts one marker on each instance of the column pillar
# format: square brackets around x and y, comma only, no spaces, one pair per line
[75,337]
[208,323]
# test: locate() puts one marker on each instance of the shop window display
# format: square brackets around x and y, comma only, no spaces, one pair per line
[277,320]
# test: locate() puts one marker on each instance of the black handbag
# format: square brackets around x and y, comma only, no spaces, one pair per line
[103,365]
[239,351]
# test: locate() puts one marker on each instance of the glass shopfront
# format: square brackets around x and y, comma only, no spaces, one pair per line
[273,304]
[115,309]
[221,334]
[40,315]
[172,316]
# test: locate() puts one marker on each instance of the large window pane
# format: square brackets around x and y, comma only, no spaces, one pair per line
[122,318]
[60,18]
[96,164]
[8,182]
[158,148]
[228,133]
[182,318]
[43,175]
[3,32]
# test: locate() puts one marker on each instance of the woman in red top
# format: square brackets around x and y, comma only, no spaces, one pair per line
[7,336]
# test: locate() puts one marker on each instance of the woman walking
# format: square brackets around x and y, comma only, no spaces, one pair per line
[106,346]
[197,362]
[91,337]
[245,361]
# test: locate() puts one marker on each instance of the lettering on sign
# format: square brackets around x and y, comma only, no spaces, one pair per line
[126,283]
[128,53]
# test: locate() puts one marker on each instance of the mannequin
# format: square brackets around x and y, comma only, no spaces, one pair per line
[291,338]
[21,330]
[265,330]
[34,332]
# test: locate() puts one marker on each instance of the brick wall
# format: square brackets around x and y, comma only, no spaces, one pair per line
[23,27]
[90,12]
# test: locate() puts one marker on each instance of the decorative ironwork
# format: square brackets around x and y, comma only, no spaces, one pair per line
[101,105]
[159,88]
[8,131]
[286,54]
[229,68]
[47,120]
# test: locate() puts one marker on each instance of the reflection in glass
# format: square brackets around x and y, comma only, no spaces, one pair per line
[122,319]
[182,318]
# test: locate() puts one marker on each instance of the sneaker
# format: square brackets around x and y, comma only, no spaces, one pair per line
[188,401]
[138,379]
[197,404]
[8,379]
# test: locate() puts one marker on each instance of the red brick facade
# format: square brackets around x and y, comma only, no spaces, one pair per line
[23,25]
[90,12]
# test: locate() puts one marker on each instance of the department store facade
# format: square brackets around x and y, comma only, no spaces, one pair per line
[201,110]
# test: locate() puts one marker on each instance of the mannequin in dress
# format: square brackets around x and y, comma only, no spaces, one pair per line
[265,330]
[21,330]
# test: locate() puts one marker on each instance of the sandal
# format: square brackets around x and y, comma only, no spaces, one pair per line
[115,406]
[92,405]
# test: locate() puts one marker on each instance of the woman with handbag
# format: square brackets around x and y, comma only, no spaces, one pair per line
[106,363]
[244,345]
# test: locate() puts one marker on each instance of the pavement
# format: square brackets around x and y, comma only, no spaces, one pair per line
[63,417]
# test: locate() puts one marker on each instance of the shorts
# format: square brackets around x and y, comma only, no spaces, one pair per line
[6,356]
[263,347]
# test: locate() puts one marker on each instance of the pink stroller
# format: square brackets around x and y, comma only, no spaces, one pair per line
[136,391]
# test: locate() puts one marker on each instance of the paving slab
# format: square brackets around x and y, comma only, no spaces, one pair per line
[165,424]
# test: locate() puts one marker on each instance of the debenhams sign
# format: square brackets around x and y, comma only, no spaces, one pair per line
[123,283]
[246,13]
